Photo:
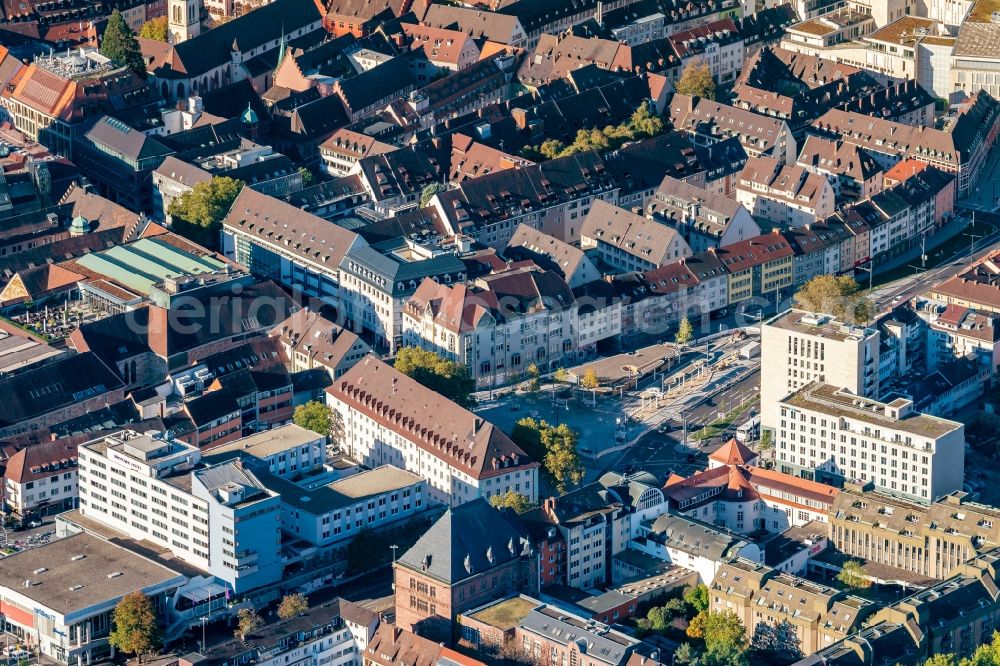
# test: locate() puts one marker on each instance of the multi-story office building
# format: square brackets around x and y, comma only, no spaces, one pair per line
[830,433]
[219,518]
[799,347]
[391,419]
[927,540]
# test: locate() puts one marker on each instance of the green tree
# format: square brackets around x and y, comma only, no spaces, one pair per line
[561,460]
[292,605]
[198,213]
[943,660]
[986,655]
[450,379]
[155,28]
[364,552]
[551,148]
[686,655]
[685,331]
[837,296]
[119,43]
[534,379]
[136,629]
[315,416]
[776,644]
[697,598]
[766,440]
[853,576]
[512,500]
[429,191]
[725,638]
[527,434]
[247,622]
[307,177]
[644,123]
[696,81]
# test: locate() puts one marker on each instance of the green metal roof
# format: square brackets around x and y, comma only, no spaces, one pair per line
[146,262]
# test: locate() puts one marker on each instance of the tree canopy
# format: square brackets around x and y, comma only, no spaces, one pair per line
[512,500]
[837,296]
[852,576]
[554,446]
[590,380]
[642,124]
[247,621]
[429,191]
[198,213]
[697,81]
[725,639]
[119,43]
[987,654]
[697,597]
[315,416]
[155,28]
[685,331]
[364,551]
[450,379]
[292,605]
[136,629]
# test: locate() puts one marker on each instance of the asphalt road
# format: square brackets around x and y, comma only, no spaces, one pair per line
[903,289]
[663,453]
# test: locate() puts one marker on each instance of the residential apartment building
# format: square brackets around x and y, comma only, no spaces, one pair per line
[961,149]
[310,340]
[705,218]
[929,540]
[343,151]
[709,122]
[571,263]
[800,347]
[219,518]
[817,614]
[553,197]
[654,301]
[828,432]
[718,44]
[852,171]
[41,478]
[759,266]
[390,419]
[784,194]
[626,242]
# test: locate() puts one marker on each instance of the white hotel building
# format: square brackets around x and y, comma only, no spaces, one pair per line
[826,432]
[219,518]
[390,419]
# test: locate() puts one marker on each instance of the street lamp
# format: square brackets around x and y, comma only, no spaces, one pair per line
[393,548]
[204,643]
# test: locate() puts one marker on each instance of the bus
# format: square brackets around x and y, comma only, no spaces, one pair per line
[749,431]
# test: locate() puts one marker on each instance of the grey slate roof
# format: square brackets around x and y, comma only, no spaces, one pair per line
[466,541]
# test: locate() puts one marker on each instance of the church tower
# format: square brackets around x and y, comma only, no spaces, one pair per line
[183,19]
